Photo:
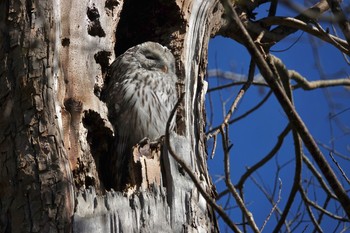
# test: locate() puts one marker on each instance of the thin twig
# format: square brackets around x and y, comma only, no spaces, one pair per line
[344,55]
[320,216]
[256,107]
[262,187]
[236,83]
[331,215]
[339,167]
[318,177]
[340,155]
[241,92]
[214,145]
[274,206]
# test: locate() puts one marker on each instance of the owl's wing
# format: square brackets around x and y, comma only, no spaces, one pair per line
[113,78]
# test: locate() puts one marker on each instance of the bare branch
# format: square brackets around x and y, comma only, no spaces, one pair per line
[306,85]
[300,25]
[281,32]
[298,150]
[288,108]
[302,82]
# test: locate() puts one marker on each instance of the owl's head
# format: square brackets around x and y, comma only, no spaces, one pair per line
[153,56]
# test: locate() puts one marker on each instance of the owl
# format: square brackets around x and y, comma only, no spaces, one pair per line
[140,93]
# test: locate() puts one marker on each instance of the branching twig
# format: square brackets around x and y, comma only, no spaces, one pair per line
[230,186]
[238,98]
[262,187]
[267,158]
[281,32]
[303,82]
[311,215]
[313,204]
[241,92]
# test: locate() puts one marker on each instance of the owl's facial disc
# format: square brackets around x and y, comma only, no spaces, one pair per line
[154,61]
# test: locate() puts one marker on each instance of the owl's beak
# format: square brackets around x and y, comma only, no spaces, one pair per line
[164,69]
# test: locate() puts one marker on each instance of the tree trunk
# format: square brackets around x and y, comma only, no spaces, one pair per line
[54,130]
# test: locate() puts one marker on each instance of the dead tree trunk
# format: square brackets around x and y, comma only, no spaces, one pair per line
[54,130]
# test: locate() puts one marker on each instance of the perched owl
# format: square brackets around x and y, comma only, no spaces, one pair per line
[140,94]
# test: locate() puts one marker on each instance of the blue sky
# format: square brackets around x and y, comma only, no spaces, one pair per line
[254,136]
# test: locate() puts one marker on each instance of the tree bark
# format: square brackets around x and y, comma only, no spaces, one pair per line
[54,130]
